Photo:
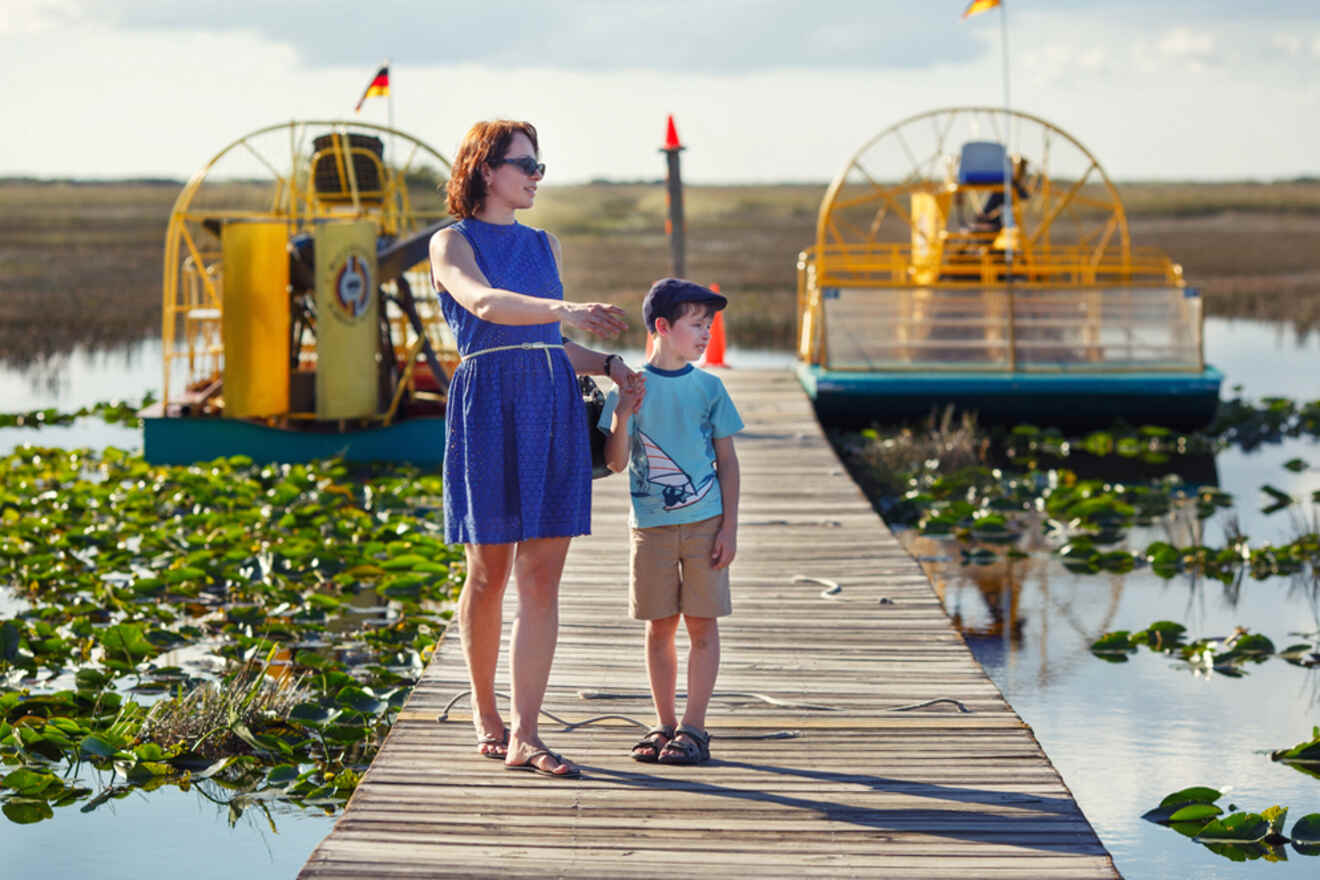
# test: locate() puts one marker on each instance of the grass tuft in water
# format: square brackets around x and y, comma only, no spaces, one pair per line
[947,443]
[204,719]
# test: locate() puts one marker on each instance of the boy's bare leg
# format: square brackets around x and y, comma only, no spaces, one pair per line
[537,568]
[703,667]
[480,619]
[662,667]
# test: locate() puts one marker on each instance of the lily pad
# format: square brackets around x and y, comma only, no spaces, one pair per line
[1181,799]
[1117,642]
[281,774]
[1196,813]
[1235,828]
[1307,830]
[25,811]
[28,783]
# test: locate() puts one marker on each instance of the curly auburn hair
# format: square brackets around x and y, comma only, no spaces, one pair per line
[484,142]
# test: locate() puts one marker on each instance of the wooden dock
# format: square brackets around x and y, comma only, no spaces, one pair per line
[855,789]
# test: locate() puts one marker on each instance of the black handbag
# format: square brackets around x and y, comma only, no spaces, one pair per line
[594,400]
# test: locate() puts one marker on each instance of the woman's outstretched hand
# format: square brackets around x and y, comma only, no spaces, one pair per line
[602,319]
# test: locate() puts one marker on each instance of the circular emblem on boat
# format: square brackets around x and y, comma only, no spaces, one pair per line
[353,286]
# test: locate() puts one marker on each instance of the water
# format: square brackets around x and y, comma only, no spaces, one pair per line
[1125,735]
[1121,735]
[164,833]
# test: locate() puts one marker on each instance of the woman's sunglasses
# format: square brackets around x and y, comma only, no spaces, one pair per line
[526,164]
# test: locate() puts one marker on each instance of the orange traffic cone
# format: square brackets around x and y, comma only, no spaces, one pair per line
[714,356]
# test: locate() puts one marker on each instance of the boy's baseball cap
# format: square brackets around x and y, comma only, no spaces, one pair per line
[669,292]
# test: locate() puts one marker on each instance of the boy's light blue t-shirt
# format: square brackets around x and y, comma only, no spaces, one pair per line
[672,464]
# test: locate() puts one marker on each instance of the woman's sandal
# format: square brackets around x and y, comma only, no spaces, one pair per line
[573,773]
[501,744]
[689,746]
[651,742]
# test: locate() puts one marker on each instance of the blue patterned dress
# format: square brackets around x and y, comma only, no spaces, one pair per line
[517,455]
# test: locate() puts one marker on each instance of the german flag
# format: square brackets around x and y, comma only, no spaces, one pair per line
[380,83]
[979,6]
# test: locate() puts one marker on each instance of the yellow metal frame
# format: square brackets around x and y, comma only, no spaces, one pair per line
[193,285]
[857,252]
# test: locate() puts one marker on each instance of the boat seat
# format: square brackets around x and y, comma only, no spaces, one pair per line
[330,174]
[982,162]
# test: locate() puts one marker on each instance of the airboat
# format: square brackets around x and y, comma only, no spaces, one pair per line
[299,321]
[981,258]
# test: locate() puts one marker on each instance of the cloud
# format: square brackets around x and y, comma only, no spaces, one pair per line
[676,36]
[35,16]
[1186,43]
[175,85]
[669,36]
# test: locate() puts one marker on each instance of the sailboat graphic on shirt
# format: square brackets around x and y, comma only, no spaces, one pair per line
[659,469]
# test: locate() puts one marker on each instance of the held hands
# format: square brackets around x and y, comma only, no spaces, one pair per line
[726,547]
[632,387]
[602,319]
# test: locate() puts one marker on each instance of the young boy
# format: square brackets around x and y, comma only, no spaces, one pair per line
[677,443]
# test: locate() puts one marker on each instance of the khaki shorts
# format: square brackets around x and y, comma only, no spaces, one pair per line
[671,572]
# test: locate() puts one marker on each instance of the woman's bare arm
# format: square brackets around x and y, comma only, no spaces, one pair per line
[455,267]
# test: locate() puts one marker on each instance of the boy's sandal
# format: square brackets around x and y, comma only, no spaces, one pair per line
[572,773]
[689,746]
[648,748]
[500,743]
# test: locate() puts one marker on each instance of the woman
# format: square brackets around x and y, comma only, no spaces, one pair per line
[517,459]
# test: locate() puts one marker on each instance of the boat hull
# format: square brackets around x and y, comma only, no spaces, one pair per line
[1069,400]
[189,439]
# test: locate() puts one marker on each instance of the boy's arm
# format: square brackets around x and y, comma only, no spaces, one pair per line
[618,443]
[726,471]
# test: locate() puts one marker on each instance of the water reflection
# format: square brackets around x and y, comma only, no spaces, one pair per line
[83,376]
[1124,735]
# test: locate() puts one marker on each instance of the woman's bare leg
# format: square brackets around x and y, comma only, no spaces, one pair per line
[537,568]
[480,620]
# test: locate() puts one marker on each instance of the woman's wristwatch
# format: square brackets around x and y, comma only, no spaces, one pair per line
[608,358]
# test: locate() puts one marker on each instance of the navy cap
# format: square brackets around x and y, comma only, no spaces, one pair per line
[667,293]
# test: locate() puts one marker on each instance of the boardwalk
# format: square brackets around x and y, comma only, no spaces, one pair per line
[851,790]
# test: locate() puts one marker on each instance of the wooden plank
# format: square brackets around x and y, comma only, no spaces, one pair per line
[794,790]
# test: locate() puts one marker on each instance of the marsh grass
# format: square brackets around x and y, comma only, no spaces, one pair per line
[203,720]
[948,442]
[80,263]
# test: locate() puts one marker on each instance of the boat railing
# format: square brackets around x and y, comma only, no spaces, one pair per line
[858,319]
[972,261]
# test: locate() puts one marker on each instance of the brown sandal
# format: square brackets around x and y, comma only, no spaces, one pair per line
[693,748]
[651,742]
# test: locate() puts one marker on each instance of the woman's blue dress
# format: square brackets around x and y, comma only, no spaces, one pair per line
[517,459]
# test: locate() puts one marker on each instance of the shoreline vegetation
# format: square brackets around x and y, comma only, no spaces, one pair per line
[80,261]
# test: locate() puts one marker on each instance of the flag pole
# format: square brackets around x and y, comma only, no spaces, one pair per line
[1008,224]
[1008,140]
[394,147]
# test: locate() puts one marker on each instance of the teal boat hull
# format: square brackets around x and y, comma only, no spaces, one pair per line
[1182,401]
[189,439]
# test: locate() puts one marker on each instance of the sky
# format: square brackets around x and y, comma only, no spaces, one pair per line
[761,90]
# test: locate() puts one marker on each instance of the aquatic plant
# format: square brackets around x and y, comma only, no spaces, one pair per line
[1303,757]
[257,626]
[113,412]
[1238,836]
[1225,655]
[981,505]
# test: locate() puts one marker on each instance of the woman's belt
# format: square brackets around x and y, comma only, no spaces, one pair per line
[525,346]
